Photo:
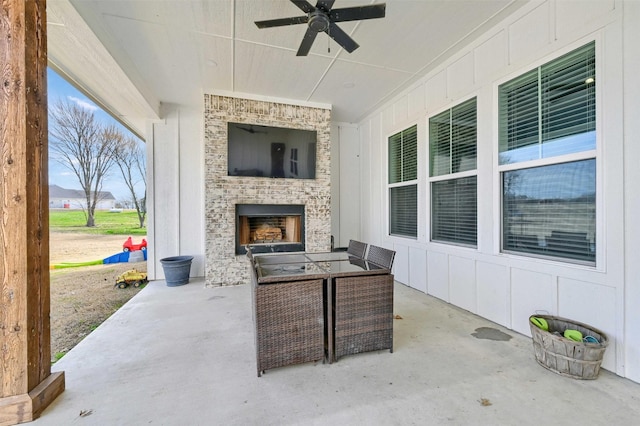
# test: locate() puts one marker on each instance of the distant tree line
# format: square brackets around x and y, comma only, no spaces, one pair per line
[90,149]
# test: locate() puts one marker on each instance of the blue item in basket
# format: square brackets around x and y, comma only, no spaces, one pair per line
[590,339]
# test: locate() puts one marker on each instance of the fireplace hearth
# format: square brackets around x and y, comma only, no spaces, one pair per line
[269,228]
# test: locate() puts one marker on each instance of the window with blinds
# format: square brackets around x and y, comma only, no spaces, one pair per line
[452,171]
[403,188]
[403,206]
[454,210]
[452,140]
[549,111]
[549,114]
[551,210]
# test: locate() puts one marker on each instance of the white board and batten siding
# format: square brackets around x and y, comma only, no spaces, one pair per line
[177,191]
[507,288]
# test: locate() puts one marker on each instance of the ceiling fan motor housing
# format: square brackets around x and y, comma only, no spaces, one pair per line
[318,21]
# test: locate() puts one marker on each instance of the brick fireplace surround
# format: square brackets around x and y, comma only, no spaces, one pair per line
[222,192]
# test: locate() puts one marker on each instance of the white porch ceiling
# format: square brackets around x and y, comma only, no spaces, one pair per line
[132,55]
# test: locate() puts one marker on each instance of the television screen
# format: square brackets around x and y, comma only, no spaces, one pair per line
[274,152]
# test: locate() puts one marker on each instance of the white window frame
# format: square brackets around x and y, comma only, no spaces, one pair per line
[595,154]
[388,186]
[451,176]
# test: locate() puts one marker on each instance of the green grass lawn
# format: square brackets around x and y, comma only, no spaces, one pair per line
[124,223]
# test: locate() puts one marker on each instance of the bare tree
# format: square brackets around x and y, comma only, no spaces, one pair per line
[130,158]
[85,147]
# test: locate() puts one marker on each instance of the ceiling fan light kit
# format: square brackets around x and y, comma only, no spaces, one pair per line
[322,18]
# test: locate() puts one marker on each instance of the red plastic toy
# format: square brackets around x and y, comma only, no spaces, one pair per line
[129,246]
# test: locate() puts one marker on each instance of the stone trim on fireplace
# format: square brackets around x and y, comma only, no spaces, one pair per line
[222,192]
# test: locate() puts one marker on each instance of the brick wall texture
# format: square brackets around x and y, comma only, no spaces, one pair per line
[222,192]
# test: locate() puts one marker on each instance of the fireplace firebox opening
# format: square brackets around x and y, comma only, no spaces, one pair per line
[269,228]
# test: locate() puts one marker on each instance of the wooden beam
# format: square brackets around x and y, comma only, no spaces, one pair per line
[26,383]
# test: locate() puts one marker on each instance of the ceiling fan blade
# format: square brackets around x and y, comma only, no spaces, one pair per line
[282,22]
[304,5]
[325,5]
[342,38]
[358,13]
[307,41]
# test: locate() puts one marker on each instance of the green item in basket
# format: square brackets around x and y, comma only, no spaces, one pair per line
[573,335]
[540,323]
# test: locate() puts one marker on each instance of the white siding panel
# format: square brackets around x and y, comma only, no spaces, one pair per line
[387,120]
[436,91]
[531,292]
[591,304]
[612,156]
[493,292]
[366,144]
[438,275]
[349,185]
[529,34]
[632,200]
[490,57]
[192,188]
[378,182]
[462,275]
[166,172]
[401,111]
[460,78]
[401,263]
[573,15]
[416,102]
[418,269]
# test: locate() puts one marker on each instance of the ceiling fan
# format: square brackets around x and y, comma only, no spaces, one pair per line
[322,18]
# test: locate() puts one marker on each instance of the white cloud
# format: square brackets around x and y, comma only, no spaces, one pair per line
[82,103]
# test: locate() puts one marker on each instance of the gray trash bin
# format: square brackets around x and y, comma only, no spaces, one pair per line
[176,269]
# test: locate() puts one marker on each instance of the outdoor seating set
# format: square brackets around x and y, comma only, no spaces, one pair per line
[321,306]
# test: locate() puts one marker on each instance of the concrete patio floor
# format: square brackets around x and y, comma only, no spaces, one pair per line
[186,356]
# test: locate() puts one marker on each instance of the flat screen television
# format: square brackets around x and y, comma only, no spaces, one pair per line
[275,152]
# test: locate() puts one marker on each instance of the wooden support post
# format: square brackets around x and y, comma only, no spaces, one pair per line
[27,386]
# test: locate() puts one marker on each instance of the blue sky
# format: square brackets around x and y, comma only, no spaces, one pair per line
[58,88]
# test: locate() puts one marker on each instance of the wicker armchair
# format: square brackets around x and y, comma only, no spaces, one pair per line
[357,248]
[288,322]
[381,256]
[363,317]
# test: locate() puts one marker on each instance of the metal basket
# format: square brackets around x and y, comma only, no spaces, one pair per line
[579,360]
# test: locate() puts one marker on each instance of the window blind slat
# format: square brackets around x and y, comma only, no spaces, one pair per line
[440,147]
[550,103]
[395,158]
[410,154]
[464,136]
[403,203]
[454,211]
